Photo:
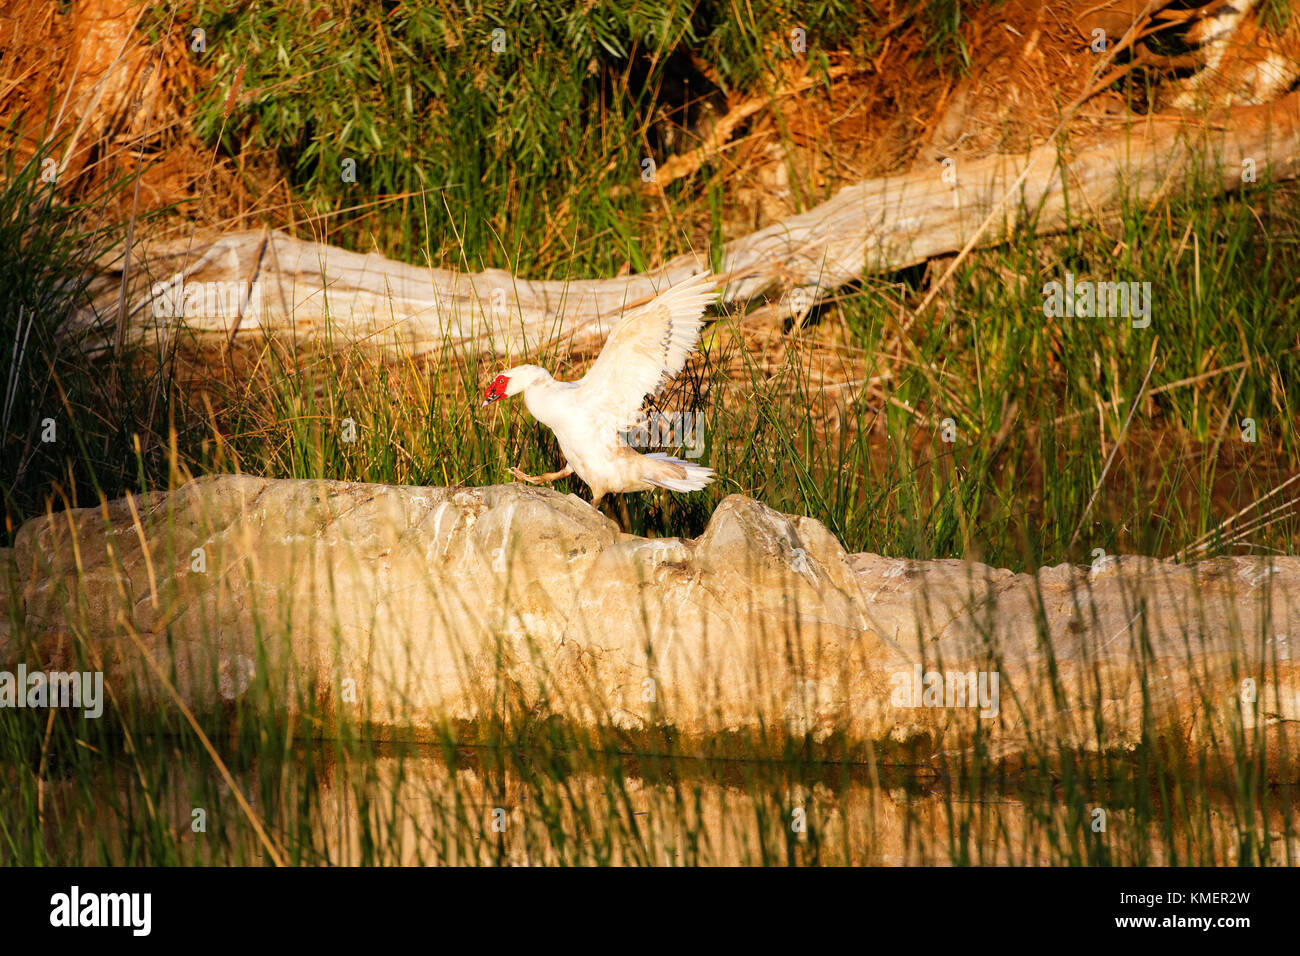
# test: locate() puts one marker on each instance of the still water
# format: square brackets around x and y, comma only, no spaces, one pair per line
[409,805]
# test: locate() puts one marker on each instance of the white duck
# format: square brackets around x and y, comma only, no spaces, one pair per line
[648,347]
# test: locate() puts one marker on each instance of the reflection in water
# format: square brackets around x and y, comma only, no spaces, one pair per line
[421,805]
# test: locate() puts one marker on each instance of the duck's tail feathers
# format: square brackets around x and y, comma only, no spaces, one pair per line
[664,471]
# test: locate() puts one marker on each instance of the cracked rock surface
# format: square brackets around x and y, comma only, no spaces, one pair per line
[407,608]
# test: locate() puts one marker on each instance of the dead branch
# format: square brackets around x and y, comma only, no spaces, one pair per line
[303,289]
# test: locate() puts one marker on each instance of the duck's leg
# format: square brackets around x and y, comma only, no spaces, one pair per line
[546,479]
[618,515]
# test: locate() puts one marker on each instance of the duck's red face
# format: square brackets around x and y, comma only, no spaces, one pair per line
[496,391]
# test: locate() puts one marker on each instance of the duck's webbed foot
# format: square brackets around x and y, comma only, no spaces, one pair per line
[542,479]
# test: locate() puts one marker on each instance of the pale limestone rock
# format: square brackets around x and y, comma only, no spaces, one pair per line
[412,609]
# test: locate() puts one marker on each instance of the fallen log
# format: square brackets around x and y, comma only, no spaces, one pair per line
[255,282]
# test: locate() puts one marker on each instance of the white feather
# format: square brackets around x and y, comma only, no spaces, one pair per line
[648,347]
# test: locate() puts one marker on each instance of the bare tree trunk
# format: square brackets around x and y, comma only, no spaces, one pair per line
[292,288]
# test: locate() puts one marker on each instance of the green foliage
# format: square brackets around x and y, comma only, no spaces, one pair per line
[52,249]
[494,145]
[477,148]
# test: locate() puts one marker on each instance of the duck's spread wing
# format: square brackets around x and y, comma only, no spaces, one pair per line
[648,347]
